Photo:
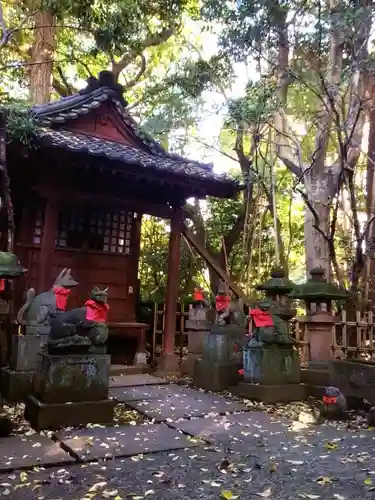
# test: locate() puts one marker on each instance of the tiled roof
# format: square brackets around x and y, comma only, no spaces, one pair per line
[129,155]
[53,118]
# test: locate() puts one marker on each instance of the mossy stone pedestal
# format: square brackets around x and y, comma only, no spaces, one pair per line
[70,389]
[271,374]
[217,368]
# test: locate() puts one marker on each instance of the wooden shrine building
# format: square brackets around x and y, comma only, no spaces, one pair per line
[80,194]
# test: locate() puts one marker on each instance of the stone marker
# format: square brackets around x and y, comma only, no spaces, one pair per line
[31,451]
[199,322]
[126,440]
[17,379]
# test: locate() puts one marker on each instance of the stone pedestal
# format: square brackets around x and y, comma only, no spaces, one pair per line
[354,378]
[318,329]
[17,379]
[217,368]
[70,389]
[271,374]
[199,322]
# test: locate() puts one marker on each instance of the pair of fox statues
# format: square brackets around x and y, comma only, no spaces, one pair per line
[48,313]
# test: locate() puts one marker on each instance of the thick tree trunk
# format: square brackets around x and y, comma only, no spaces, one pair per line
[42,54]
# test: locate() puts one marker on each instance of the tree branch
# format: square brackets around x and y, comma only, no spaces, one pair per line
[138,76]
[293,167]
[151,41]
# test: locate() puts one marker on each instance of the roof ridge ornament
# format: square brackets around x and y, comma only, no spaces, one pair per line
[106,79]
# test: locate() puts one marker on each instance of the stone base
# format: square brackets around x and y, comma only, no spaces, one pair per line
[168,364]
[15,385]
[315,391]
[25,351]
[140,359]
[215,376]
[354,378]
[57,415]
[187,367]
[270,393]
[313,376]
[72,377]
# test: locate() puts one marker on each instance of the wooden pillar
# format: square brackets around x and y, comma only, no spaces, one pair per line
[48,244]
[169,360]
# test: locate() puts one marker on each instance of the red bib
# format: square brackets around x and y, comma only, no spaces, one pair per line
[96,311]
[222,302]
[61,295]
[329,400]
[261,318]
[198,295]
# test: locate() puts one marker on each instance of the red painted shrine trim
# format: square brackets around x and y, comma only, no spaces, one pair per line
[261,318]
[96,311]
[61,295]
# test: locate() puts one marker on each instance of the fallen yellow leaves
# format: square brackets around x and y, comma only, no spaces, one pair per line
[328,445]
[323,480]
[228,495]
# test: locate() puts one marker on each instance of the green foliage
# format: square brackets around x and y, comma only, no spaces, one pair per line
[153,265]
[20,123]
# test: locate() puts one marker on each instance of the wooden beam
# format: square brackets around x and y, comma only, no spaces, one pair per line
[105,200]
[48,244]
[223,275]
[173,282]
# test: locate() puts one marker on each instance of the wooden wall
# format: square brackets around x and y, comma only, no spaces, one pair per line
[117,271]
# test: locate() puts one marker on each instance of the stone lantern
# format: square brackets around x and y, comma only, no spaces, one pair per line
[10,268]
[276,290]
[319,320]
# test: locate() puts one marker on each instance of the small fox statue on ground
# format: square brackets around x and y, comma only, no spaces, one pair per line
[334,405]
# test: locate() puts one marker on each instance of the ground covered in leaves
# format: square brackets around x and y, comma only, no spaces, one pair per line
[283,459]
[273,451]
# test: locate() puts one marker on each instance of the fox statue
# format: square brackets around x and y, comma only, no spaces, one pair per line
[85,324]
[37,312]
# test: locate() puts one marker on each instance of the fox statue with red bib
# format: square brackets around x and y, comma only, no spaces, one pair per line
[37,312]
[85,325]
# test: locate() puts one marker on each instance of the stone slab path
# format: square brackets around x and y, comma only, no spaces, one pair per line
[251,454]
[139,393]
[135,380]
[185,406]
[18,452]
[122,441]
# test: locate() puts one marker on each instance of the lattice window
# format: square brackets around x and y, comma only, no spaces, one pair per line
[39,210]
[89,229]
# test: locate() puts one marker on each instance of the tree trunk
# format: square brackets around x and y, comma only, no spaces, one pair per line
[370,205]
[42,54]
[317,251]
